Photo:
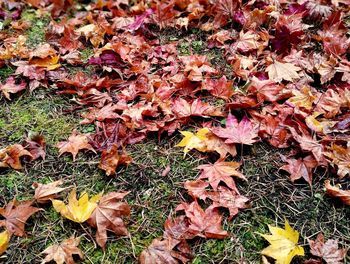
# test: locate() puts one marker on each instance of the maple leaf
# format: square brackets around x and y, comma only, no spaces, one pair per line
[183,109]
[206,223]
[194,141]
[10,156]
[300,168]
[74,144]
[111,159]
[229,199]
[244,132]
[328,250]
[279,71]
[46,192]
[340,156]
[16,215]
[107,216]
[63,252]
[220,88]
[247,41]
[4,241]
[309,144]
[333,191]
[11,87]
[284,244]
[77,210]
[221,171]
[160,252]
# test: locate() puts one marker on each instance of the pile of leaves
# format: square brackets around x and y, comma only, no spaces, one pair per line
[289,86]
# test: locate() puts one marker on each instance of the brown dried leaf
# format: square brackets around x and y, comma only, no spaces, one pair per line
[221,171]
[111,159]
[74,144]
[46,192]
[63,252]
[107,217]
[16,215]
[328,250]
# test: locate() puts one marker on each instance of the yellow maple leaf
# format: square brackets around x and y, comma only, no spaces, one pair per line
[4,241]
[77,210]
[194,141]
[284,244]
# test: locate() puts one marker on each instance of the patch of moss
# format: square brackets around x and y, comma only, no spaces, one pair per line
[36,33]
[32,114]
[197,46]
[184,48]
[5,72]
[86,54]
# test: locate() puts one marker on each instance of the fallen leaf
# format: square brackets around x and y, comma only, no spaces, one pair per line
[16,215]
[229,199]
[74,144]
[108,217]
[10,156]
[284,244]
[46,192]
[244,132]
[328,250]
[279,71]
[300,168]
[63,252]
[111,159]
[203,223]
[343,195]
[10,87]
[4,241]
[194,141]
[77,210]
[340,156]
[221,171]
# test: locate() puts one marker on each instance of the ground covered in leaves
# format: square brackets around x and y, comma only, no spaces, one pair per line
[106,97]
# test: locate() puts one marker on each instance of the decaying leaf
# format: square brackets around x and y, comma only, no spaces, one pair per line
[333,191]
[283,244]
[77,210]
[328,250]
[63,252]
[111,159]
[4,241]
[16,215]
[46,192]
[108,217]
[74,144]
